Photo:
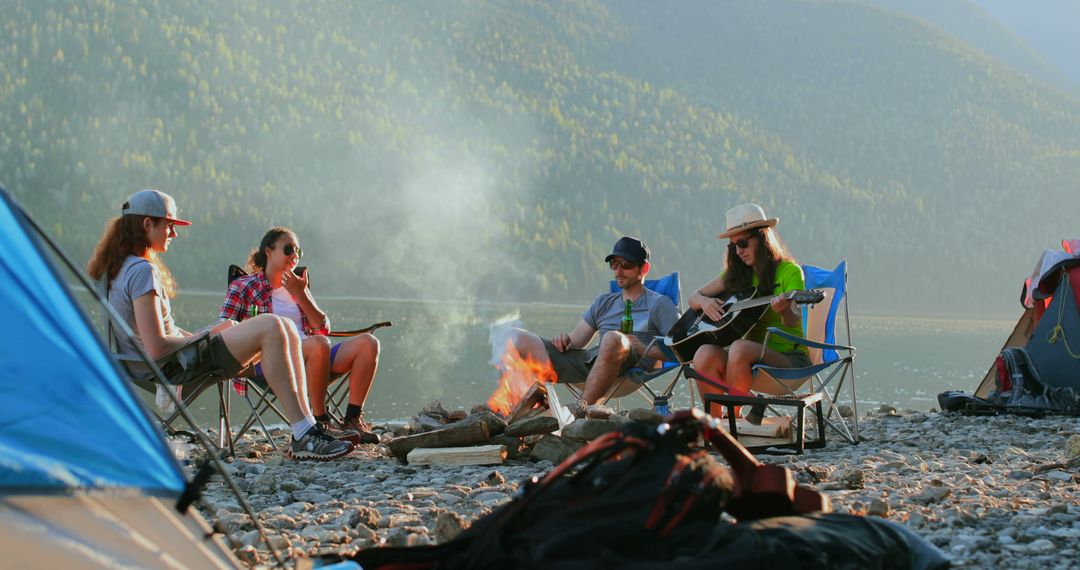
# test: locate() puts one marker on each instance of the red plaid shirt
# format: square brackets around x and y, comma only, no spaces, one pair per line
[255,290]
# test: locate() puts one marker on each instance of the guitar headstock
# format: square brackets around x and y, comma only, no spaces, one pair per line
[811,297]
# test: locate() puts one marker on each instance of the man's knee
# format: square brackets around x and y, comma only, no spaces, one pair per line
[615,344]
[526,343]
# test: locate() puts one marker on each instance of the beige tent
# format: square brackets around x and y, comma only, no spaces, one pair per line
[106,531]
[1019,337]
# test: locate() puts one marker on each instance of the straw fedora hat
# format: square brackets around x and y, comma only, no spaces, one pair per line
[746,217]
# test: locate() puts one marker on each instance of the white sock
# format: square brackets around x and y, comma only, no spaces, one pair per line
[301,427]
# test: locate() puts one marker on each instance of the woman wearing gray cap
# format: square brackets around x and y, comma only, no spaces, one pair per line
[756,257]
[127,259]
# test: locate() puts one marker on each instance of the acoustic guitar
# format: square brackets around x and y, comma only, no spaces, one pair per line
[741,312]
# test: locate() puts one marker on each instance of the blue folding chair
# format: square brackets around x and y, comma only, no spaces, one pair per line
[636,379]
[819,385]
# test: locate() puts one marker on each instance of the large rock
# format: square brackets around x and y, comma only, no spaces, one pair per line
[647,416]
[554,448]
[587,430]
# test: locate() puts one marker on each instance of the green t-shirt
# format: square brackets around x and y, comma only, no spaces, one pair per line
[789,277]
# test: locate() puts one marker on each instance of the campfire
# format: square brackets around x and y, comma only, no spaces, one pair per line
[519,375]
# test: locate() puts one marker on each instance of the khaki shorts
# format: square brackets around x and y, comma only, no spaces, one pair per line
[572,366]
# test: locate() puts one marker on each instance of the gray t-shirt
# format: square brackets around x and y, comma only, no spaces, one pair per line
[137,277]
[654,315]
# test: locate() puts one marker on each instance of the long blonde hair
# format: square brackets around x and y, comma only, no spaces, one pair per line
[125,236]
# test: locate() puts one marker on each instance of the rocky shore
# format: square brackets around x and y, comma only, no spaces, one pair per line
[991,492]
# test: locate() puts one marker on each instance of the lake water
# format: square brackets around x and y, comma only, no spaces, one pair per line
[441,351]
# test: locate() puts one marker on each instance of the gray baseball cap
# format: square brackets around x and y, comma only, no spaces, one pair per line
[154,203]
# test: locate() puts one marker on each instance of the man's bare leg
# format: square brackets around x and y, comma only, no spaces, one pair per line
[614,350]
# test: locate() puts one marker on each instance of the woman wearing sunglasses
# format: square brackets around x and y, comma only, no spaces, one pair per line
[139,286]
[276,286]
[756,257]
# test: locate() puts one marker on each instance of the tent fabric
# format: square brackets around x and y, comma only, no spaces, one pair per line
[106,531]
[1054,347]
[1019,337]
[68,419]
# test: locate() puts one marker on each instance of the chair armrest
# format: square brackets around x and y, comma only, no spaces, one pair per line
[805,341]
[367,329]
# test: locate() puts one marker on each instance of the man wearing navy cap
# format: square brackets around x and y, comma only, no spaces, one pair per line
[601,365]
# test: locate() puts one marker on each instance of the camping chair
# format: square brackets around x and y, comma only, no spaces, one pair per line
[264,398]
[817,386]
[636,380]
[191,389]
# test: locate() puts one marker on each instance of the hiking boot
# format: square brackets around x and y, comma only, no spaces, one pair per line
[344,434]
[362,429]
[317,445]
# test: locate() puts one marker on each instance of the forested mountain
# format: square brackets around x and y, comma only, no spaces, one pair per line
[1051,26]
[969,22]
[496,149]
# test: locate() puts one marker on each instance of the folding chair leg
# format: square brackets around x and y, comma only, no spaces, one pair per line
[335,397]
[225,439]
[258,418]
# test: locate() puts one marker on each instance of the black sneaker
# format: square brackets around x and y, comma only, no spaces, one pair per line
[361,428]
[317,445]
[344,434]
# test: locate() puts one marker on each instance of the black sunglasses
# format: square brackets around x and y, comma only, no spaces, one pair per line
[741,244]
[622,264]
[289,249]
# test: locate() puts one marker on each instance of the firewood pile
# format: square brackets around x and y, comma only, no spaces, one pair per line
[537,427]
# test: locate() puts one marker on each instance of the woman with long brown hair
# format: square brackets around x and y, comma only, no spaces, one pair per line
[139,286]
[274,287]
[756,257]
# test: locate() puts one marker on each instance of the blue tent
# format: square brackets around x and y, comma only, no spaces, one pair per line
[85,477]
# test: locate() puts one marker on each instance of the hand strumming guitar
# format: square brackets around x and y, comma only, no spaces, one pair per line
[709,306]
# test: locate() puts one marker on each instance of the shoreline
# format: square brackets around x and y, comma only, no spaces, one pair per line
[1001,319]
[999,491]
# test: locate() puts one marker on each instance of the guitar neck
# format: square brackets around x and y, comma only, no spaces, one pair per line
[755,302]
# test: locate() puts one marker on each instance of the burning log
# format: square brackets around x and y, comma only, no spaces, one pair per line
[456,435]
[478,455]
[495,424]
[537,394]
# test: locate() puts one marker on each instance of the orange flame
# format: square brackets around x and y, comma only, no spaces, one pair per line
[519,373]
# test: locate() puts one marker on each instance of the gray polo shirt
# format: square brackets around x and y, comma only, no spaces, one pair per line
[654,314]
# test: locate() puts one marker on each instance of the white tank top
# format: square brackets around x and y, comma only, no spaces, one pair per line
[283,306]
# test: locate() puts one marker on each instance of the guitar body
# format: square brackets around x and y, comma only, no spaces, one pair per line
[694,330]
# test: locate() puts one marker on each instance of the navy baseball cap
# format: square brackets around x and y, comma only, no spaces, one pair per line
[630,249]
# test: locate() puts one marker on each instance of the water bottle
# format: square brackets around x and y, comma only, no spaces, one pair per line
[627,324]
[253,311]
[660,404]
